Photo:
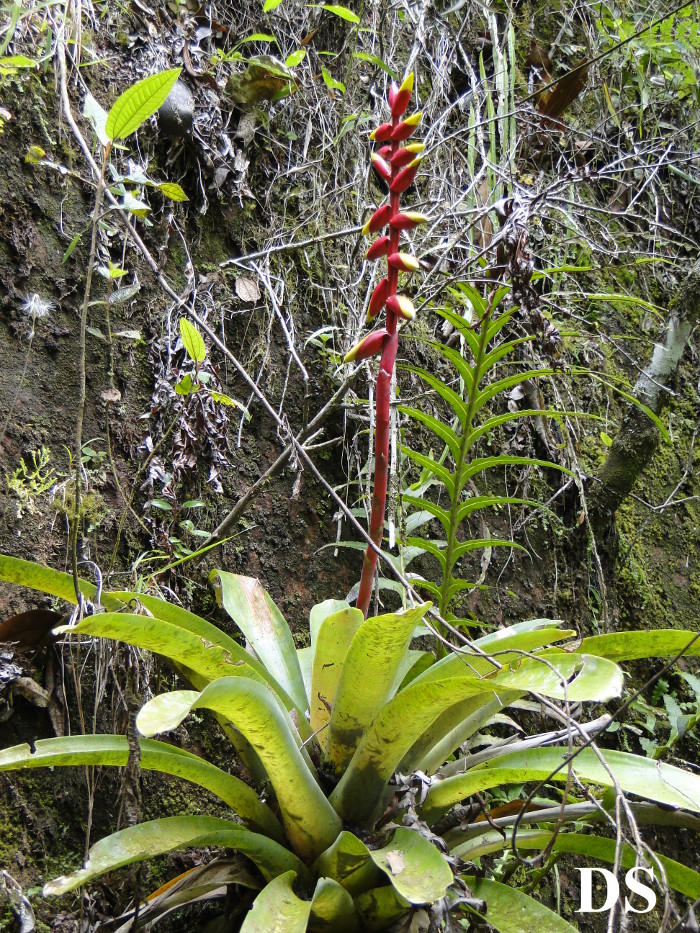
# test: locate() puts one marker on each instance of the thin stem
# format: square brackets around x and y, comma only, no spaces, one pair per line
[75,527]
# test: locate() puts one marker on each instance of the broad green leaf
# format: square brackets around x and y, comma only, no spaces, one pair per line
[172,191]
[270,5]
[155,756]
[451,729]
[584,676]
[332,643]
[393,730]
[208,633]
[369,678]
[139,102]
[466,663]
[37,577]
[380,907]
[416,868]
[188,648]
[166,711]
[332,909]
[681,878]
[256,615]
[342,11]
[403,721]
[277,909]
[510,911]
[134,205]
[631,646]
[321,611]
[305,656]
[654,780]
[137,843]
[347,861]
[309,820]
[97,115]
[530,625]
[192,341]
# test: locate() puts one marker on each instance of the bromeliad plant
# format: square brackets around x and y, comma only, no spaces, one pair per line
[335,841]
[397,165]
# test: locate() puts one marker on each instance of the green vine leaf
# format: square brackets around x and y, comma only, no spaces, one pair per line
[172,191]
[192,341]
[342,12]
[138,103]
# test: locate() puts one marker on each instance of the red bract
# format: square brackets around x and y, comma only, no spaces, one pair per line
[402,306]
[405,177]
[382,168]
[403,262]
[369,346]
[382,133]
[407,220]
[405,154]
[406,128]
[379,219]
[402,97]
[376,302]
[379,248]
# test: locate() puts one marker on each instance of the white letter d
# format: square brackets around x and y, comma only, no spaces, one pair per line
[612,887]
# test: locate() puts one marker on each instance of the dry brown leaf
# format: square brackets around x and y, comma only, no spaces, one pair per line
[247,289]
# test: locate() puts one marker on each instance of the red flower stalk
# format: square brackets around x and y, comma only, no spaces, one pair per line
[398,165]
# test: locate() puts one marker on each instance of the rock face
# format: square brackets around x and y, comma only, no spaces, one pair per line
[176,115]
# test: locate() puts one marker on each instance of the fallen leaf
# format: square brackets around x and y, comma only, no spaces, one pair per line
[247,289]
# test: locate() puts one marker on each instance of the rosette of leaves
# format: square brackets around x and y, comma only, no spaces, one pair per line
[325,729]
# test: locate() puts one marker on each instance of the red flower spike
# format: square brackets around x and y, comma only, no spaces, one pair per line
[369,346]
[402,96]
[382,133]
[384,152]
[378,299]
[382,168]
[406,128]
[405,177]
[402,306]
[380,218]
[404,262]
[407,220]
[379,248]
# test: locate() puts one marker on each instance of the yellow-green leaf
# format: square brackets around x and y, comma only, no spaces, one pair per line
[139,102]
[342,12]
[192,341]
[172,191]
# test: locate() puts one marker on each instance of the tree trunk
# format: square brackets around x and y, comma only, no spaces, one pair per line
[636,441]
